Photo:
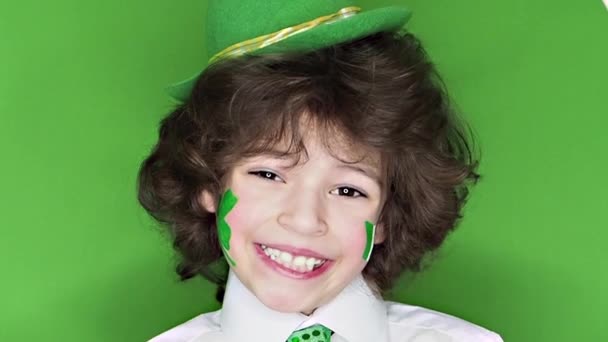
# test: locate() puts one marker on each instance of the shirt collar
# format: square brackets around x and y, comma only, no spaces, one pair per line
[355,314]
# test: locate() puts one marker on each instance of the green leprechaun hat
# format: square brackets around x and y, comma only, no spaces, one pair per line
[237,27]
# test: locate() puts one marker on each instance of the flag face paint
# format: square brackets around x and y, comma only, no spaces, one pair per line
[370,232]
[227,203]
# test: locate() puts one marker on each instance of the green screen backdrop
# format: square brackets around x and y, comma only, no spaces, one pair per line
[81,95]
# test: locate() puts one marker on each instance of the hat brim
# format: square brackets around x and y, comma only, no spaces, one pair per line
[365,23]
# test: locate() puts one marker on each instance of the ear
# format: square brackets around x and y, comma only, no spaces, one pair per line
[379,235]
[207,201]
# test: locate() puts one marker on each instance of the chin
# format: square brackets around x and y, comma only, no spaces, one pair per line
[284,301]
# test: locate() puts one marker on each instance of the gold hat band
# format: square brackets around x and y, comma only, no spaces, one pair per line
[271,38]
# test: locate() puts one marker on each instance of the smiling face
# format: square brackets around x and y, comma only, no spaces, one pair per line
[299,234]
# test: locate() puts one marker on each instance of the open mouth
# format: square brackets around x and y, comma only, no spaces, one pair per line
[295,264]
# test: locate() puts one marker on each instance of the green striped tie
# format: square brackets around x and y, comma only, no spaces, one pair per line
[315,333]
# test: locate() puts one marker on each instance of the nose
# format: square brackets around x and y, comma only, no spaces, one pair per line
[303,212]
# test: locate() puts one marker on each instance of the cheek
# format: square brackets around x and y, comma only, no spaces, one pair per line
[245,219]
[355,240]
[236,219]
[249,213]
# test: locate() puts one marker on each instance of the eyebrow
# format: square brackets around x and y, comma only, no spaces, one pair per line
[279,154]
[359,167]
[363,169]
[282,155]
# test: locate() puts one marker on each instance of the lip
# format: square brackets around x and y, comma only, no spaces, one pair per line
[289,272]
[297,251]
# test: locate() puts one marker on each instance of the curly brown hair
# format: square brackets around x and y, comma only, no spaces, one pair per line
[381,91]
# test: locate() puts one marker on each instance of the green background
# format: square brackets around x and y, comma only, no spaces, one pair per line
[81,95]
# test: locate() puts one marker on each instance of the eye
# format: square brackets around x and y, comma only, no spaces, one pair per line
[266,175]
[348,192]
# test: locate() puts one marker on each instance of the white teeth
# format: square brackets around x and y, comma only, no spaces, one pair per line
[299,260]
[298,263]
[286,257]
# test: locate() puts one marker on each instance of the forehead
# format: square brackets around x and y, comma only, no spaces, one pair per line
[310,137]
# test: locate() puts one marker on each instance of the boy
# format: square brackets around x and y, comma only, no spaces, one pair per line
[313,161]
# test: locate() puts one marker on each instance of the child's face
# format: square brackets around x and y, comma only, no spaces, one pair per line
[319,207]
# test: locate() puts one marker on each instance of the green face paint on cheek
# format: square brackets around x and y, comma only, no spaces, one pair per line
[227,203]
[370,232]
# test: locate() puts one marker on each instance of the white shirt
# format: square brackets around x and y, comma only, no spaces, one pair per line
[355,315]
